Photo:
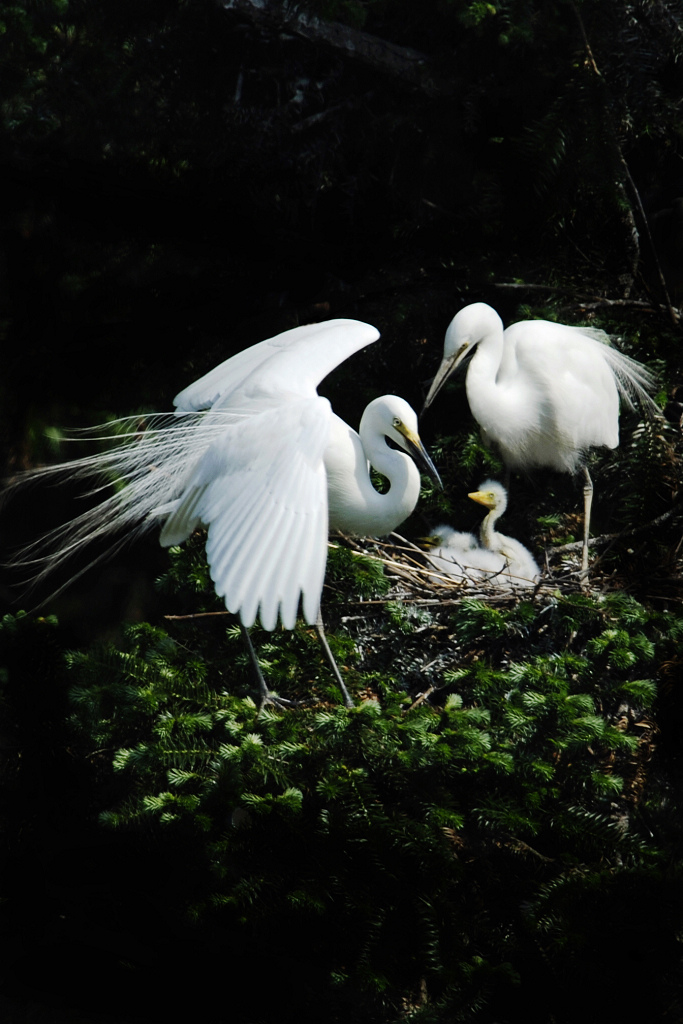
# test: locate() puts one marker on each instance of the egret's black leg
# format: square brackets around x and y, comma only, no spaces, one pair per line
[348,700]
[266,696]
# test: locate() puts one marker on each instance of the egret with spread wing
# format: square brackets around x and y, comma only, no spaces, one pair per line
[543,393]
[255,455]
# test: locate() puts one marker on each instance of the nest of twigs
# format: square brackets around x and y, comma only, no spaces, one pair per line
[416,580]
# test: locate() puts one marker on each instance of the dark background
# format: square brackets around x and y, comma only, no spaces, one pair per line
[181,180]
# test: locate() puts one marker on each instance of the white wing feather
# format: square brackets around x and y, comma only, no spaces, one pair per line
[305,355]
[565,400]
[250,468]
[261,489]
[634,381]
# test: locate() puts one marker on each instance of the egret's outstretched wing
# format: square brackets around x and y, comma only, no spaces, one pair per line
[152,461]
[250,467]
[305,353]
[261,490]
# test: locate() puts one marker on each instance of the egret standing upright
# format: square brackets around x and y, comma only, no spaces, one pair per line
[542,393]
[258,457]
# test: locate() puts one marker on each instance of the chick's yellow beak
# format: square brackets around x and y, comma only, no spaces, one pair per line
[428,542]
[483,497]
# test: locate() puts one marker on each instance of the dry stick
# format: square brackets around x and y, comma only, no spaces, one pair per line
[422,697]
[406,571]
[198,615]
[609,538]
[589,302]
[650,307]
[453,582]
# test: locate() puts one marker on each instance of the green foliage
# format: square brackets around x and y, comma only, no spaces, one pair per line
[405,617]
[649,454]
[464,462]
[383,845]
[349,573]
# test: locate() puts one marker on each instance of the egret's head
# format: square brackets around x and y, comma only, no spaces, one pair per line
[393,418]
[440,538]
[467,328]
[492,495]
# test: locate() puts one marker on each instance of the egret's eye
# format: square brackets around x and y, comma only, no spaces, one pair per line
[397,422]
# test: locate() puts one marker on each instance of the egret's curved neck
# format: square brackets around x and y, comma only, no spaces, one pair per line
[355,506]
[493,359]
[389,509]
[487,534]
[492,370]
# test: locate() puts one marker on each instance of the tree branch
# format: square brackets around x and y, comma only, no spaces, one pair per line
[585,302]
[402,62]
[673,313]
[608,538]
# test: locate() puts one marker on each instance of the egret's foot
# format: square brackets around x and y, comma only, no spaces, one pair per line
[279,702]
[348,699]
[267,696]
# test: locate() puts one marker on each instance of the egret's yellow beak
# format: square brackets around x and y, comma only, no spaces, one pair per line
[419,453]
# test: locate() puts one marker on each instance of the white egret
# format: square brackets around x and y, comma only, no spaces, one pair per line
[520,565]
[255,455]
[502,561]
[542,393]
[458,554]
